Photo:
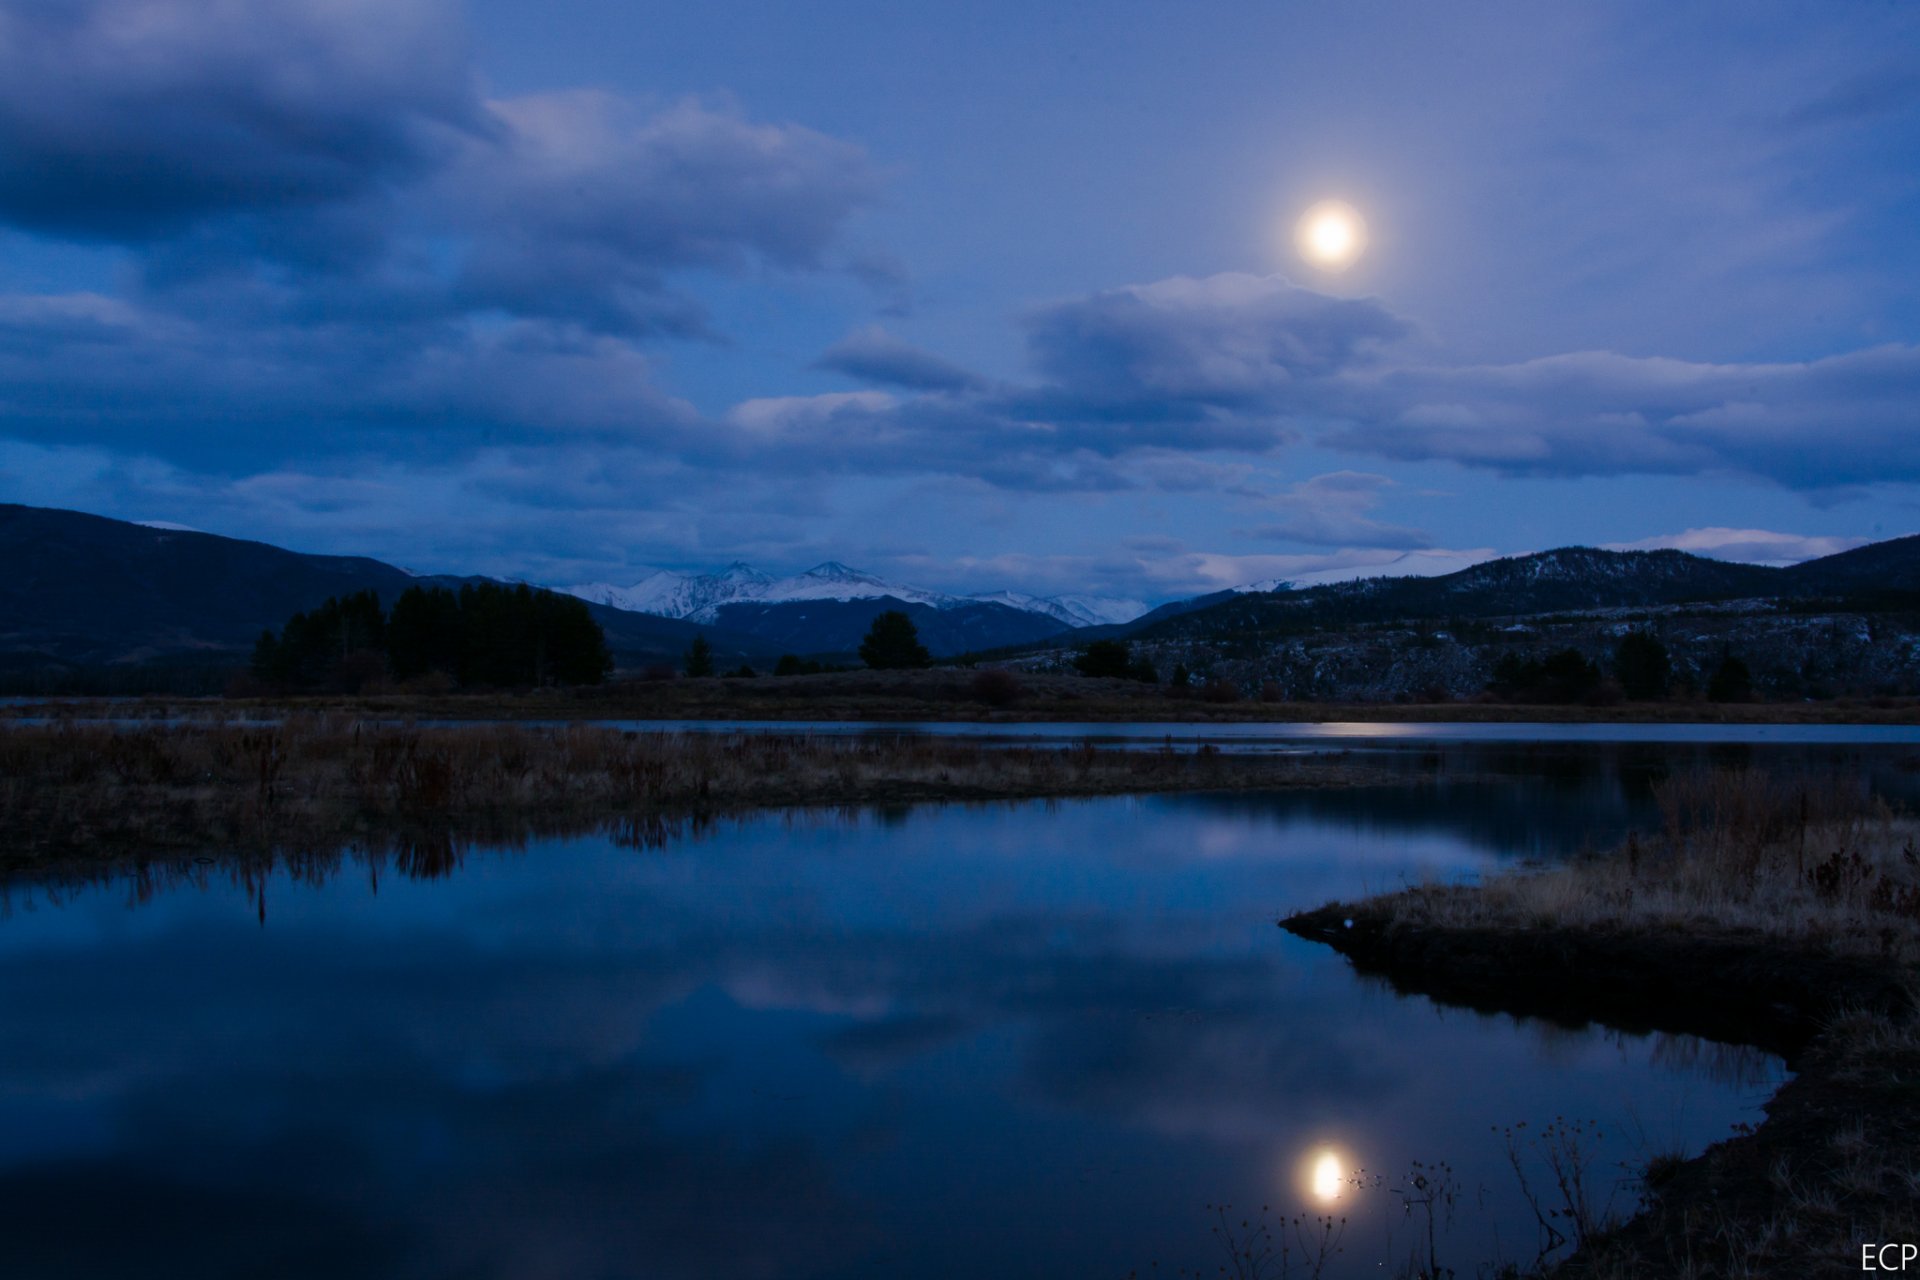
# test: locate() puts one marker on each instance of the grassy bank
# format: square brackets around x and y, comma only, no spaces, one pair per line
[1781,912]
[959,694]
[79,793]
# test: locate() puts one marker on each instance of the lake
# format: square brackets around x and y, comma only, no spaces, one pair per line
[1028,1039]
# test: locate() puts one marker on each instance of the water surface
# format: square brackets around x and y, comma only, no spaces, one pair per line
[997,1040]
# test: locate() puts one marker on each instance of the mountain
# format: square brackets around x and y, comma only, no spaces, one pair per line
[86,591]
[836,627]
[677,595]
[1074,611]
[1560,581]
[842,603]
[1893,565]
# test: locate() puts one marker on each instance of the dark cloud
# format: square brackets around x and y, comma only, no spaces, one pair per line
[874,355]
[334,234]
[1180,347]
[1331,511]
[130,120]
[579,205]
[1844,420]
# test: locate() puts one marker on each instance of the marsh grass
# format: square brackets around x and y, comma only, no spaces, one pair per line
[84,790]
[1780,908]
[1813,859]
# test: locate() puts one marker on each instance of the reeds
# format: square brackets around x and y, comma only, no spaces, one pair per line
[1810,858]
[78,790]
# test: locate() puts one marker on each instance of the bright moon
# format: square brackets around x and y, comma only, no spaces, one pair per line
[1331,235]
[1327,1176]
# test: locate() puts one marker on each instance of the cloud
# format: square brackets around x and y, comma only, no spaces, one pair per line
[131,120]
[1216,362]
[579,204]
[1330,511]
[874,355]
[1130,384]
[1848,419]
[1755,546]
[87,369]
[337,241]
[359,292]
[1883,91]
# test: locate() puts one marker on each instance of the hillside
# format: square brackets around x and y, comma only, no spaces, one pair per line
[1565,580]
[86,591]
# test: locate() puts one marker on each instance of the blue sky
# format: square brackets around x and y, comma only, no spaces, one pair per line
[978,296]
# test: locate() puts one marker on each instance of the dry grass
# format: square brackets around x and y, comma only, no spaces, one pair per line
[950,693]
[1762,906]
[1811,860]
[85,791]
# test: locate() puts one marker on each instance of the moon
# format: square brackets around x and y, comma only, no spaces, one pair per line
[1331,235]
[1327,1177]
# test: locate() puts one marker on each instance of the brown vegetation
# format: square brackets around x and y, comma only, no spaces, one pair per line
[957,693]
[78,792]
[1770,910]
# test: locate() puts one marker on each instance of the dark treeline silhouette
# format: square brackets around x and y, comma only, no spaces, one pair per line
[1115,658]
[1642,672]
[1563,676]
[485,635]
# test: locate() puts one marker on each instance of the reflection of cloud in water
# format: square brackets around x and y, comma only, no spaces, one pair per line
[391,1175]
[802,1036]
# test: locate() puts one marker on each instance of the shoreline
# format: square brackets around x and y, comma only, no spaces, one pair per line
[1834,1157]
[78,797]
[950,695]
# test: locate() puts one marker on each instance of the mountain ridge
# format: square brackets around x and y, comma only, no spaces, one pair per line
[83,590]
[701,597]
[1561,580]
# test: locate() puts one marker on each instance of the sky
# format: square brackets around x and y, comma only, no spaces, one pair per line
[974,296]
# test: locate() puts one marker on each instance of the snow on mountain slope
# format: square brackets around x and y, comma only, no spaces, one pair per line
[835,581]
[700,597]
[1075,611]
[1409,564]
[678,595]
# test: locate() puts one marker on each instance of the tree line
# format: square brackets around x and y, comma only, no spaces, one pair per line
[484,635]
[1641,666]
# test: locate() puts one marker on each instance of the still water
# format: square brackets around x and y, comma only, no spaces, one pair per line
[1030,1039]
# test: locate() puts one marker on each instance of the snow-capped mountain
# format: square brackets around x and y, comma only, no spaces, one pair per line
[702,597]
[1075,611]
[835,581]
[678,595]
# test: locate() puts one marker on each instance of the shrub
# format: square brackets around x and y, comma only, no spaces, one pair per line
[1111,658]
[1731,681]
[1640,664]
[996,687]
[1562,676]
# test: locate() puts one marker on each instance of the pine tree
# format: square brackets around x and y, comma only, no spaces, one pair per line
[699,658]
[893,643]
